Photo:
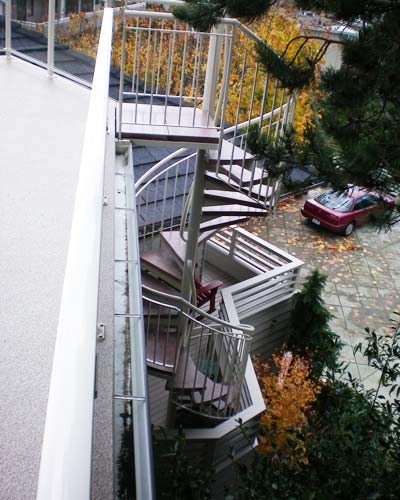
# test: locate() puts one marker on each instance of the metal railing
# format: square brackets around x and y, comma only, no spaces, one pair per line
[49,64]
[65,469]
[193,79]
[162,193]
[265,290]
[206,361]
[251,251]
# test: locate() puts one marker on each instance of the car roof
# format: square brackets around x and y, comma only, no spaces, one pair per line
[356,192]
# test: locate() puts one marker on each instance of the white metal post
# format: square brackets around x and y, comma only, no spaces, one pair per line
[194,225]
[50,39]
[8,29]
[213,60]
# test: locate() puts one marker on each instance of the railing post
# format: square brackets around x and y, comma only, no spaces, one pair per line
[194,227]
[50,39]
[8,29]
[210,85]
[233,243]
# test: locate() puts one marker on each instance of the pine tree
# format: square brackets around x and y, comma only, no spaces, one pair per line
[360,110]
[311,333]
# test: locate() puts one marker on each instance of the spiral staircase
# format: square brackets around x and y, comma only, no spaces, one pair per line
[216,183]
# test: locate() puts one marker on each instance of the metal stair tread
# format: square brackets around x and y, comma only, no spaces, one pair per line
[151,282]
[219,181]
[229,154]
[163,262]
[161,349]
[229,197]
[154,123]
[188,377]
[178,245]
[242,176]
[259,191]
[223,221]
[212,391]
[234,209]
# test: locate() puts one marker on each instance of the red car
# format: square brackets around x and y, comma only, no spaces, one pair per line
[341,211]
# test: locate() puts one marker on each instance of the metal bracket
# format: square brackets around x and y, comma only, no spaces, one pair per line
[101,331]
[105,201]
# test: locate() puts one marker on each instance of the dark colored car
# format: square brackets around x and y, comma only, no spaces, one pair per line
[341,211]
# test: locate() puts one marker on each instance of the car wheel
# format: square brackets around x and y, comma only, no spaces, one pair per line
[349,229]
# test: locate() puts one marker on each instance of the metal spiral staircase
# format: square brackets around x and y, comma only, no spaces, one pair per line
[186,87]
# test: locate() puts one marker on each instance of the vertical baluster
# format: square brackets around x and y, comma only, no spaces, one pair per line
[243,141]
[154,208]
[182,86]
[280,117]
[153,73]
[244,68]
[174,195]
[272,109]
[197,69]
[146,69]
[138,73]
[231,43]
[166,183]
[160,52]
[170,66]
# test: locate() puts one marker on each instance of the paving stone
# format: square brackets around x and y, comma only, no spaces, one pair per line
[363,286]
[368,291]
[350,301]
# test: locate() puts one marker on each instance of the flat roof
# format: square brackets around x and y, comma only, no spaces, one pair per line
[42,122]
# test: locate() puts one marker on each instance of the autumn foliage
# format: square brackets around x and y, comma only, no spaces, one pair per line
[289,393]
[186,55]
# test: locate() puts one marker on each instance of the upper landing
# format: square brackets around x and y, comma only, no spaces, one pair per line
[42,123]
[158,124]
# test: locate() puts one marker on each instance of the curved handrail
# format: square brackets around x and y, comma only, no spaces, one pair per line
[185,211]
[154,168]
[176,298]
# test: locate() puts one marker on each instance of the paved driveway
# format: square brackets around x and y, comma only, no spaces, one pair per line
[363,286]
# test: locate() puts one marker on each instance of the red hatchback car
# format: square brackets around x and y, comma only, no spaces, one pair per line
[341,211]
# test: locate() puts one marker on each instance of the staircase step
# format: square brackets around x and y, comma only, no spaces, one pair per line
[219,181]
[213,391]
[242,176]
[187,377]
[158,125]
[178,245]
[232,210]
[175,243]
[220,222]
[163,263]
[213,196]
[155,284]
[229,154]
[161,349]
[259,192]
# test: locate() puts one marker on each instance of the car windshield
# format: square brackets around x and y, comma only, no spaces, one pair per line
[336,200]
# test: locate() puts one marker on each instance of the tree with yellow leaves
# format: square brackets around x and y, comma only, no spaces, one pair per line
[289,393]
